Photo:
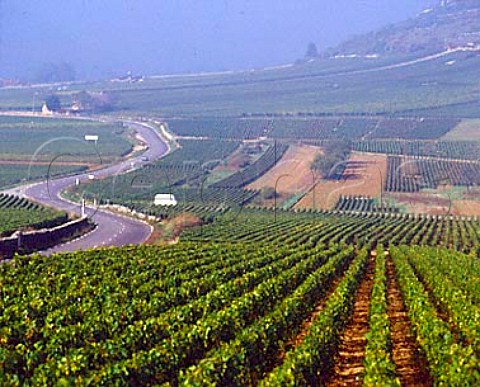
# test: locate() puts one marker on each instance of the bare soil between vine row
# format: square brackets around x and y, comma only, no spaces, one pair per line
[298,338]
[410,362]
[349,366]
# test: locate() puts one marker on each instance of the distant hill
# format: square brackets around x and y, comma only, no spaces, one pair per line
[452,23]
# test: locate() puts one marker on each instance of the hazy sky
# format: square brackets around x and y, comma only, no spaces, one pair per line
[110,37]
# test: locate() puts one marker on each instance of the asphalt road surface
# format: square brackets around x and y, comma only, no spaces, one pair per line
[112,229]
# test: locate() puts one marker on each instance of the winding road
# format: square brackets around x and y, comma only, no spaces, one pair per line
[112,229]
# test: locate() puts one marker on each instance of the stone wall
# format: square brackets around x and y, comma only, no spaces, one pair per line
[31,241]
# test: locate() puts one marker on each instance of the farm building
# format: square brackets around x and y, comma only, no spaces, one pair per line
[46,111]
[165,200]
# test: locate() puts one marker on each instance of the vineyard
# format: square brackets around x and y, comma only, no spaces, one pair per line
[363,204]
[207,213]
[273,226]
[143,184]
[326,128]
[247,225]
[412,175]
[233,128]
[18,213]
[314,128]
[184,172]
[360,128]
[240,179]
[250,296]
[201,152]
[293,313]
[205,203]
[456,150]
[414,128]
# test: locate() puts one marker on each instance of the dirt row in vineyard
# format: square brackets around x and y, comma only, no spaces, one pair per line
[349,368]
[411,364]
[298,338]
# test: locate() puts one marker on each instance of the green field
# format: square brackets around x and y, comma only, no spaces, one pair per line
[33,148]
[61,140]
[12,174]
[309,127]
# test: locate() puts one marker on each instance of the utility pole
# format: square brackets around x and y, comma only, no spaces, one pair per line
[33,103]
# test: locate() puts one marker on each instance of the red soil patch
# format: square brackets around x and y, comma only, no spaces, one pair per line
[348,365]
[364,176]
[172,229]
[432,204]
[292,174]
[466,208]
[422,203]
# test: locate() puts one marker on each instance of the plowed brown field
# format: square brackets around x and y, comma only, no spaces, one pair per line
[364,176]
[292,174]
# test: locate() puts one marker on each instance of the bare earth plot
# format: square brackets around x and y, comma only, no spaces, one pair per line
[467,130]
[422,203]
[364,176]
[292,174]
[466,208]
[439,203]
[468,204]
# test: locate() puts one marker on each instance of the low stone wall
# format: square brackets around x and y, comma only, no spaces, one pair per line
[31,241]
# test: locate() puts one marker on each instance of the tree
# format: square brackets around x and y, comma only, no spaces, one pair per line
[312,51]
[331,162]
[53,102]
[94,102]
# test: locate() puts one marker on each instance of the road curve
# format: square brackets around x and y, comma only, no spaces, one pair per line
[112,229]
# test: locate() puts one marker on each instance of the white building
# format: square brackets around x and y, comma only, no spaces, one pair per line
[165,200]
[46,111]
